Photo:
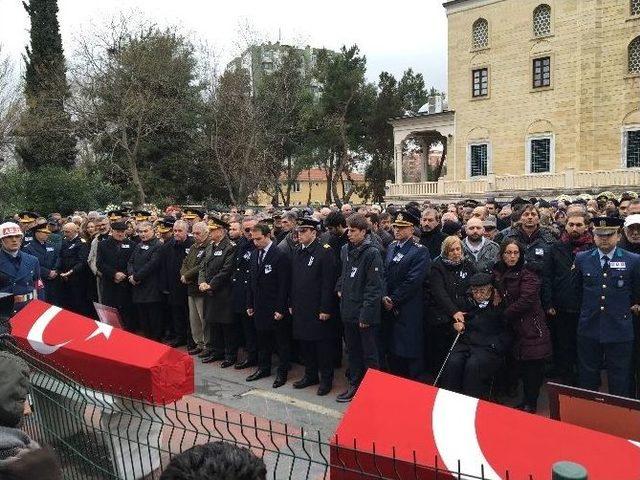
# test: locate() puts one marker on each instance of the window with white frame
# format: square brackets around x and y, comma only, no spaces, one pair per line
[296,187]
[541,72]
[634,56]
[540,151]
[635,7]
[480,34]
[632,148]
[480,82]
[478,159]
[542,21]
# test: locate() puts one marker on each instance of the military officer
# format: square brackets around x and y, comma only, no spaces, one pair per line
[607,282]
[214,280]
[73,270]
[27,220]
[111,260]
[313,305]
[164,228]
[406,265]
[143,270]
[240,282]
[19,271]
[192,215]
[47,254]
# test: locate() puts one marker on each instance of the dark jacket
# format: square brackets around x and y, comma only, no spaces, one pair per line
[405,269]
[433,241]
[144,265]
[191,267]
[486,327]
[47,255]
[268,287]
[240,277]
[535,246]
[449,285]
[73,256]
[558,289]
[216,270]
[361,283]
[172,255]
[113,257]
[313,280]
[520,288]
[628,246]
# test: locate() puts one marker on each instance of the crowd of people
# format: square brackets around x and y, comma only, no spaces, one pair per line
[476,296]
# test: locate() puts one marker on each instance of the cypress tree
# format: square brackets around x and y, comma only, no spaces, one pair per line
[45,129]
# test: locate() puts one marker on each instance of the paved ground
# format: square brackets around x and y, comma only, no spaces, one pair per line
[286,405]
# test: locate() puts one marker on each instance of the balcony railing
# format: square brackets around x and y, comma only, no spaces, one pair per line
[569,179]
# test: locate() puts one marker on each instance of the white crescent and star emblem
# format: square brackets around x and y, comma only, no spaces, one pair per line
[36,333]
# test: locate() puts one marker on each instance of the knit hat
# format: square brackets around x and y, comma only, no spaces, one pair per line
[14,387]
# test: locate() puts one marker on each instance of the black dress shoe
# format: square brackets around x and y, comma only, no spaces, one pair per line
[213,357]
[194,351]
[347,396]
[204,353]
[245,364]
[258,374]
[226,364]
[305,382]
[279,381]
[323,390]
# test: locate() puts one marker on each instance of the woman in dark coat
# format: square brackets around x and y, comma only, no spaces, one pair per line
[448,289]
[520,289]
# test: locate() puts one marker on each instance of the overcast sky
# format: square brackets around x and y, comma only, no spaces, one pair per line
[393,35]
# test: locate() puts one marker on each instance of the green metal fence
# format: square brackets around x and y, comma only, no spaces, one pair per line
[101,436]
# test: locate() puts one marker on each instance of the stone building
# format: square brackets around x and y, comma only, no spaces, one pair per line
[543,96]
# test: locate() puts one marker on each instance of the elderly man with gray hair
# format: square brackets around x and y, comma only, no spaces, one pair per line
[189,277]
[73,270]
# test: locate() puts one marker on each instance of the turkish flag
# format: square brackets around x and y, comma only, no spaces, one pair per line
[102,357]
[403,420]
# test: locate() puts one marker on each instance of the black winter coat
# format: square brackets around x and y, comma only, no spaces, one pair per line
[433,241]
[313,280]
[535,246]
[559,290]
[268,287]
[172,254]
[486,327]
[216,270]
[361,283]
[240,277]
[144,265]
[449,285]
[114,257]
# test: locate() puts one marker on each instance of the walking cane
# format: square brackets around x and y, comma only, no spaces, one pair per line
[444,364]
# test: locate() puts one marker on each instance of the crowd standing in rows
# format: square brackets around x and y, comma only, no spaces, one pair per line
[503,292]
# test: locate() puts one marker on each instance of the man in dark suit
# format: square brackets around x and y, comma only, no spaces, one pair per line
[267,299]
[111,260]
[314,305]
[144,270]
[73,270]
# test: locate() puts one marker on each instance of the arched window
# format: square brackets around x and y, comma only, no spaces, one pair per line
[635,7]
[480,33]
[542,21]
[634,56]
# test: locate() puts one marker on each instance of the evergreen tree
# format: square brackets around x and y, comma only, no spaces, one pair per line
[46,130]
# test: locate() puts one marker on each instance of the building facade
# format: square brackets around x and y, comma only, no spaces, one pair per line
[542,95]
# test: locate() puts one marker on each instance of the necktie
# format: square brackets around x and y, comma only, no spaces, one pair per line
[605,263]
[260,257]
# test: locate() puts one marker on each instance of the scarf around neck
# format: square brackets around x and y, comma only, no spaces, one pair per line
[580,244]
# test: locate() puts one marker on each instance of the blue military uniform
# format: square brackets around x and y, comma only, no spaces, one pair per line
[606,290]
[406,266]
[19,276]
[47,255]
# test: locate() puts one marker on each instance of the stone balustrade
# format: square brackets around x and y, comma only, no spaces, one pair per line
[503,184]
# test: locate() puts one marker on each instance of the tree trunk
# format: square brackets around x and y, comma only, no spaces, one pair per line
[438,170]
[309,177]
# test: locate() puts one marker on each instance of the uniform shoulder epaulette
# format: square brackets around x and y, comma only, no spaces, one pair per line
[326,245]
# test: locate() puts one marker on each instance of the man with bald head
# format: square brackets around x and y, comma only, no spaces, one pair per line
[482,252]
[73,270]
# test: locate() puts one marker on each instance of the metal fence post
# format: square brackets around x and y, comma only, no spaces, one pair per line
[568,471]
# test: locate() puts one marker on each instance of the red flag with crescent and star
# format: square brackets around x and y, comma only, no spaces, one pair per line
[102,357]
